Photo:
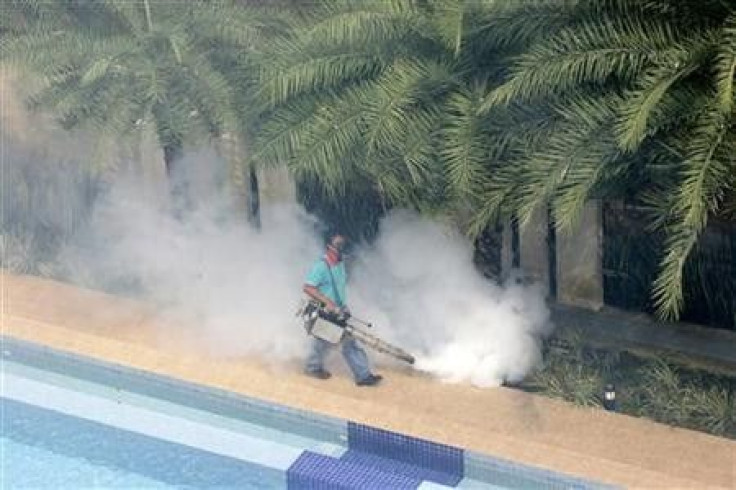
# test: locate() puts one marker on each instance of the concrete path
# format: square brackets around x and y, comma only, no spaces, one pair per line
[708,347]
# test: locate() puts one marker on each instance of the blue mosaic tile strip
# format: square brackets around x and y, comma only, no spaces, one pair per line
[419,452]
[393,466]
[314,471]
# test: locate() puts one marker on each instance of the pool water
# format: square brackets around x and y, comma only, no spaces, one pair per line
[73,422]
[48,449]
[27,465]
[67,432]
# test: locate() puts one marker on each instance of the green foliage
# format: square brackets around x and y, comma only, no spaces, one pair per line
[116,65]
[494,109]
[685,399]
[631,253]
[378,94]
[642,84]
[482,109]
[656,388]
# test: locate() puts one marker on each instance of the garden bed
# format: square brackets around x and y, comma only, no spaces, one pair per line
[658,388]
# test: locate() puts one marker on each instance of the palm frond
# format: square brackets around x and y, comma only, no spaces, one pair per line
[418,150]
[667,288]
[589,53]
[725,66]
[514,24]
[127,15]
[495,198]
[317,74]
[332,134]
[220,23]
[284,131]
[699,195]
[576,145]
[674,110]
[392,106]
[464,149]
[449,20]
[704,175]
[652,87]
[359,24]
[592,171]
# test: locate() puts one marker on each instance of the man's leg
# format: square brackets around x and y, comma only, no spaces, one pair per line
[316,360]
[357,359]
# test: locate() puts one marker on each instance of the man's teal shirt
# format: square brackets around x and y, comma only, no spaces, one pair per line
[319,277]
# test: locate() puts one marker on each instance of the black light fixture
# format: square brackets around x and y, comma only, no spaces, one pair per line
[609,398]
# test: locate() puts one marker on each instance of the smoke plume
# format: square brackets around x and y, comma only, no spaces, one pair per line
[420,281]
[416,283]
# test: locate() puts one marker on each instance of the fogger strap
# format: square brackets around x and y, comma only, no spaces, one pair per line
[332,282]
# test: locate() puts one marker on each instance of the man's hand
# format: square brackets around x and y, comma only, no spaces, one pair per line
[332,307]
[314,293]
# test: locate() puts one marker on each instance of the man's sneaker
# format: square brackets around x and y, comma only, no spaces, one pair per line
[371,380]
[318,373]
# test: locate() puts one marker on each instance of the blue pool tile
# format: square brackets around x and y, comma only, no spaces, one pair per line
[400,467]
[314,471]
[468,484]
[433,456]
[428,485]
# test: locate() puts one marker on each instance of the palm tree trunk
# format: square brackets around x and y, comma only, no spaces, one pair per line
[552,253]
[243,179]
[178,186]
[254,201]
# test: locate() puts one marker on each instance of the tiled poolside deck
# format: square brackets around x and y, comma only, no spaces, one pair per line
[501,422]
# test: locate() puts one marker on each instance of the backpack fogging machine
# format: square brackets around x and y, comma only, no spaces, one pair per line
[332,327]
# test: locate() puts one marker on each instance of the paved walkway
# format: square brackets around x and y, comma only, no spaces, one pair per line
[709,347]
[506,423]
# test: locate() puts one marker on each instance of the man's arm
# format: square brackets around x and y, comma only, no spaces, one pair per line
[315,294]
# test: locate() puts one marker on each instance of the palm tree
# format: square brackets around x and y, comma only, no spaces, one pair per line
[638,97]
[499,107]
[379,97]
[119,65]
[384,95]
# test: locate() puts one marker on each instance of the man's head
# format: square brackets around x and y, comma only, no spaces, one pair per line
[336,243]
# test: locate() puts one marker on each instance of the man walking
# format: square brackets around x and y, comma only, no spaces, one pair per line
[326,284]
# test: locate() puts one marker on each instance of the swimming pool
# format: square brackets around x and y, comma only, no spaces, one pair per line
[73,422]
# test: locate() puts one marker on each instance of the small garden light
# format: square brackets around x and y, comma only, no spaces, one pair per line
[609,398]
